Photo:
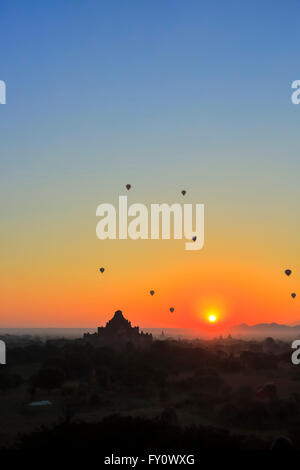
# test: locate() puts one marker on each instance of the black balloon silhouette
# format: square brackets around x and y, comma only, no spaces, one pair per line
[293,295]
[152,292]
[171,309]
[101,270]
[128,186]
[183,192]
[288,272]
[194,239]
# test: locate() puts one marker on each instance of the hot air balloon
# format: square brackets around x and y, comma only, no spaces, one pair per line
[288,272]
[171,309]
[194,239]
[101,270]
[128,186]
[183,192]
[293,295]
[152,292]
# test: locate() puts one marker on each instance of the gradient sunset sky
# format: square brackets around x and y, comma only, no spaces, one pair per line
[164,95]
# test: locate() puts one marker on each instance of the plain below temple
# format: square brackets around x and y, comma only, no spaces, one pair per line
[119,333]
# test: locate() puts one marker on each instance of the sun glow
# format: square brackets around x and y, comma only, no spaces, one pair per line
[212,318]
[212,315]
[212,312]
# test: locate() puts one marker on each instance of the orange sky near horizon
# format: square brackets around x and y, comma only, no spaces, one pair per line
[63,290]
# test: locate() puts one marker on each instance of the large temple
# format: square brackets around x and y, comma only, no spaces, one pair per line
[118,333]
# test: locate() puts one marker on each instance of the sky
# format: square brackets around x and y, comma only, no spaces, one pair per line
[164,95]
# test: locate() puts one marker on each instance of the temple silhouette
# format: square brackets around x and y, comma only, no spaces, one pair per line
[119,333]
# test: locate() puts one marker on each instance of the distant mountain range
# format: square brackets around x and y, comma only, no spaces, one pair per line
[267,329]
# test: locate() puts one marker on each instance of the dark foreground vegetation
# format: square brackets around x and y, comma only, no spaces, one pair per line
[180,396]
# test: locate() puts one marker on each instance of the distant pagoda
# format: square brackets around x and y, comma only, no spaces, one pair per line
[118,333]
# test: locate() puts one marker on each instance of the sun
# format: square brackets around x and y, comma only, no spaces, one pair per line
[212,315]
